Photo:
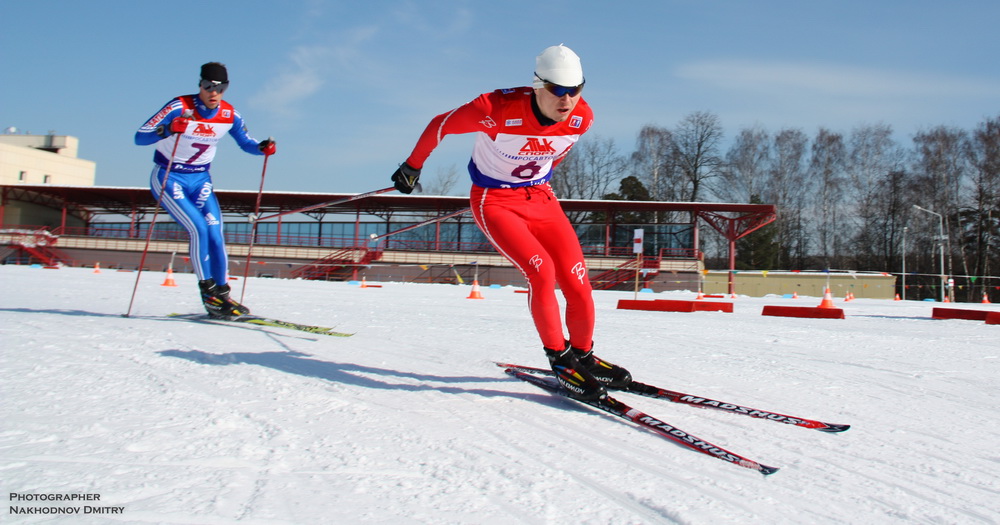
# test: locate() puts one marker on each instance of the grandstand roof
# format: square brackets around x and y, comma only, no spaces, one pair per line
[98,200]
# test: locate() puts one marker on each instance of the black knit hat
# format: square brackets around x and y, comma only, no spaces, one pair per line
[215,72]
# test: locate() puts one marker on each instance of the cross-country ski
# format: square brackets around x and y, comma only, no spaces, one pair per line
[648,422]
[647,390]
[262,321]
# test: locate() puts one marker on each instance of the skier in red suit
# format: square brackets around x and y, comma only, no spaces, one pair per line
[521,134]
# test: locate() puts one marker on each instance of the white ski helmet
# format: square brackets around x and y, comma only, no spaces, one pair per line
[558,65]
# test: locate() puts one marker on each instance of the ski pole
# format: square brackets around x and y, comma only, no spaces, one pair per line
[152,223]
[330,203]
[253,228]
[376,237]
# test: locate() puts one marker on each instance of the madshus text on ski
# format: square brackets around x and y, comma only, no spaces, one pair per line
[543,378]
[648,390]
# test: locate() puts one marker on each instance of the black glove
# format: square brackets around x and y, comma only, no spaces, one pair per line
[267,146]
[405,178]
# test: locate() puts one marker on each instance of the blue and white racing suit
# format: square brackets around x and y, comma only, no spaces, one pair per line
[189,198]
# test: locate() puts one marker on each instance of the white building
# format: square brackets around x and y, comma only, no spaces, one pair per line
[40,160]
[43,159]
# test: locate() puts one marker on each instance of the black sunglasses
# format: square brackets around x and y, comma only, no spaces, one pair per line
[561,91]
[211,85]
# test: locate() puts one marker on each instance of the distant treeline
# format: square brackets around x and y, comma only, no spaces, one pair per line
[857,201]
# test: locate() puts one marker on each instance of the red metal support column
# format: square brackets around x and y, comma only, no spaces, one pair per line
[733,235]
[695,237]
[437,235]
[607,234]
[357,228]
[733,229]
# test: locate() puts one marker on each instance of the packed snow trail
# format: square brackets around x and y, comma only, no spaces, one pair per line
[409,421]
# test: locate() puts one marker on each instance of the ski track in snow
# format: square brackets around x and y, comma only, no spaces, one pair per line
[409,420]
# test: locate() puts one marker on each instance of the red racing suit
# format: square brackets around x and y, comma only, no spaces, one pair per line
[512,160]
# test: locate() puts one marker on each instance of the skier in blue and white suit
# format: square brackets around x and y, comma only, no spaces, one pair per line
[199,121]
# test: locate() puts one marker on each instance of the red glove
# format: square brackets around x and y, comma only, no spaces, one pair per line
[267,147]
[179,125]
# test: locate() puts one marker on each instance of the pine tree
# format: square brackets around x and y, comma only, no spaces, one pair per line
[759,250]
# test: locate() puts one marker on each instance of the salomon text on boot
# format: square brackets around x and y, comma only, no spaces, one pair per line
[573,376]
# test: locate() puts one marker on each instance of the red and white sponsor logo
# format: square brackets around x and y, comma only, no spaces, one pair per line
[203,130]
[537,146]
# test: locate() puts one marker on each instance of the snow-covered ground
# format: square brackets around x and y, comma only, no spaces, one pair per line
[409,421]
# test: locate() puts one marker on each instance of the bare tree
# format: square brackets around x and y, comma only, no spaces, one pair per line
[592,169]
[826,168]
[872,156]
[652,162]
[696,151]
[788,189]
[941,163]
[443,183]
[742,177]
[982,234]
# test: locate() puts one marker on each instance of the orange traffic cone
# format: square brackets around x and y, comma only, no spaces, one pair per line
[700,295]
[169,281]
[986,299]
[897,298]
[946,300]
[827,300]
[475,291]
[97,269]
[364,283]
[795,295]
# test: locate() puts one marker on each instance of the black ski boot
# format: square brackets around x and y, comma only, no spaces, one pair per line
[573,376]
[610,374]
[216,299]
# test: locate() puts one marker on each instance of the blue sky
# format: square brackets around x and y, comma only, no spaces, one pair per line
[345,88]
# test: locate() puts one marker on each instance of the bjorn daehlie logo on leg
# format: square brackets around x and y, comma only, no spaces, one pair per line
[580,271]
